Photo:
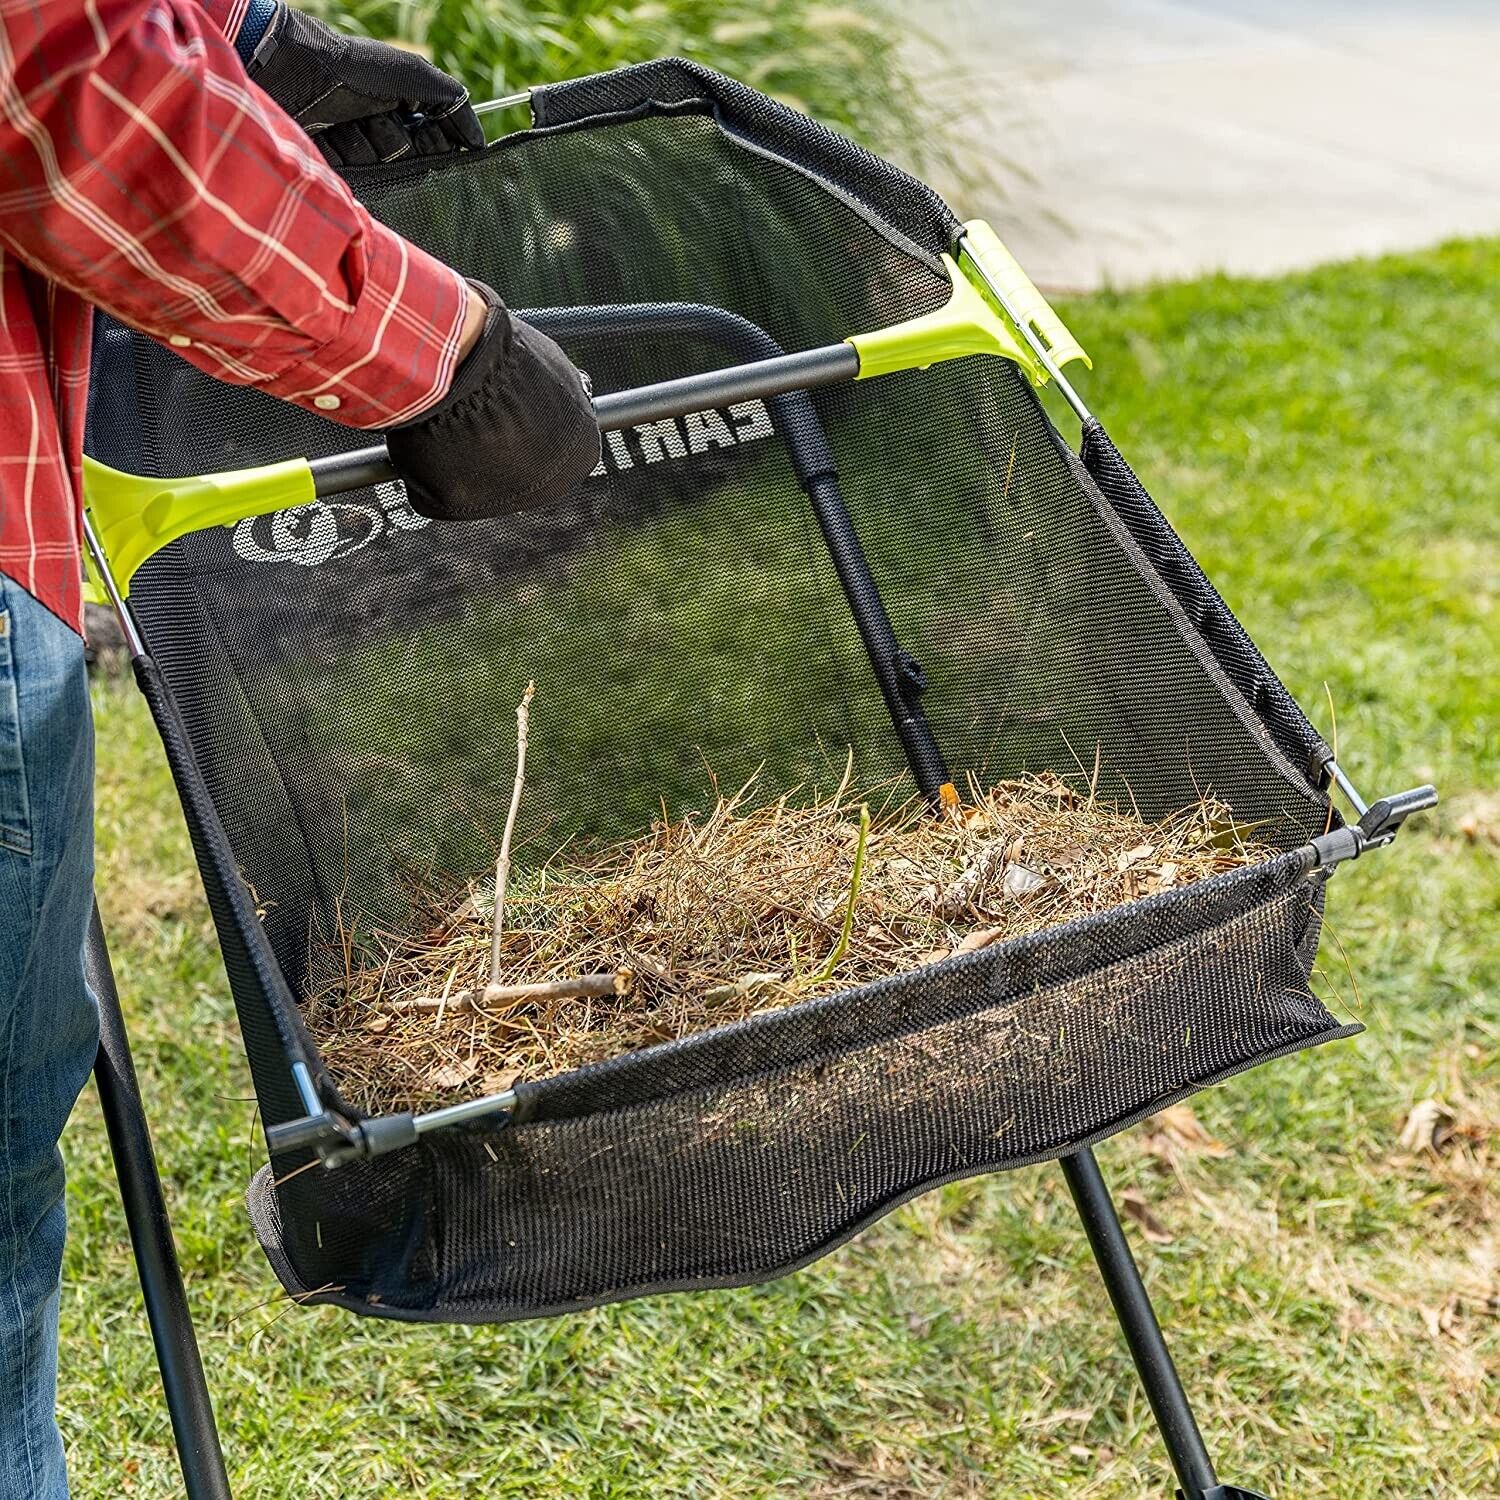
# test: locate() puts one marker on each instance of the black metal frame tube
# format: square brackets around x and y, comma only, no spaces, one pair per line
[761,379]
[177,1353]
[837,364]
[1132,1304]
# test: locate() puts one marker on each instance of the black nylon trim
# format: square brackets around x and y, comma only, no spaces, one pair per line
[260,1200]
[1237,655]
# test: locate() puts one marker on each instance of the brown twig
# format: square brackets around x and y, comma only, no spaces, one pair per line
[579,987]
[502,865]
[543,991]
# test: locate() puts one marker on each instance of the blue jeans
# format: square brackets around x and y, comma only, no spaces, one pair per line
[49,1027]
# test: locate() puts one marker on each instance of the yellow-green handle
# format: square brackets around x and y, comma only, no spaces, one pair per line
[134,516]
[972,321]
[983,248]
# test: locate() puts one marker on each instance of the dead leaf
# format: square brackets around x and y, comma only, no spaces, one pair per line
[979,939]
[1480,822]
[452,1075]
[497,1083]
[1071,1416]
[1133,1201]
[378,1024]
[1174,1132]
[1428,1125]
[1133,857]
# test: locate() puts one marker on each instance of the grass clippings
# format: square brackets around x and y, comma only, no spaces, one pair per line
[709,918]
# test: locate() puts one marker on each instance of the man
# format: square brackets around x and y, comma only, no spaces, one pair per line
[145,169]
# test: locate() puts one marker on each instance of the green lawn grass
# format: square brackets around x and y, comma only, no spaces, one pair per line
[1328,444]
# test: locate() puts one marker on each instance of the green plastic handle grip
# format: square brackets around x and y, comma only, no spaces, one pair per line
[134,516]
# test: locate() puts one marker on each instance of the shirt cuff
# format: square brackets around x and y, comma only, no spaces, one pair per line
[396,353]
[243,22]
[247,37]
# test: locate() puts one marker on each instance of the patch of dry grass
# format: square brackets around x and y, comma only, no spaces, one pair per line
[707,919]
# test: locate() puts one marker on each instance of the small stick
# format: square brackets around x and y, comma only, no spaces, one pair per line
[502,865]
[579,987]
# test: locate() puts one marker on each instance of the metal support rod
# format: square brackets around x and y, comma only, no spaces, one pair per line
[836,364]
[1358,803]
[874,623]
[506,101]
[128,628]
[151,1237]
[1153,1362]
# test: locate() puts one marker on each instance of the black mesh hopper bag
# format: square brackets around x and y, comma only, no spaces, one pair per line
[336,689]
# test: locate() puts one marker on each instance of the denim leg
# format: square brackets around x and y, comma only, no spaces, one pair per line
[48,1021]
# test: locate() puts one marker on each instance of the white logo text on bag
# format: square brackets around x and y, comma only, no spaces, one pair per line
[308,535]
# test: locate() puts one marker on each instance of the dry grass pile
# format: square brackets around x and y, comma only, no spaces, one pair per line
[710,918]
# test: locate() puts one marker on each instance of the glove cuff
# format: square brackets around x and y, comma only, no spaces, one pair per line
[491,349]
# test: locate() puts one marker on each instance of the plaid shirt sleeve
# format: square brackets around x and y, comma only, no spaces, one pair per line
[142,170]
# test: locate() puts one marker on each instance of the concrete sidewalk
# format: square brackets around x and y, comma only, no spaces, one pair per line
[1129,140]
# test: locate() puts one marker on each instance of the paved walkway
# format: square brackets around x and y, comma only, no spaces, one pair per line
[1135,139]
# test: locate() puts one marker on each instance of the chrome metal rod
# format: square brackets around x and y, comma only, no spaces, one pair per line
[1336,771]
[505,101]
[117,601]
[837,364]
[471,1109]
[1037,343]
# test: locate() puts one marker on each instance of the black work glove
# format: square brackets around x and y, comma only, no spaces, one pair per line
[516,430]
[360,100]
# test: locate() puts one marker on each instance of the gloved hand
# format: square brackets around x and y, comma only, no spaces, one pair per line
[516,430]
[360,100]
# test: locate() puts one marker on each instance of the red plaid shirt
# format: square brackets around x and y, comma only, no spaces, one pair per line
[140,171]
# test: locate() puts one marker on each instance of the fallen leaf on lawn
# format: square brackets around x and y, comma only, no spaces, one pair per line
[1174,1132]
[1444,1320]
[1480,823]
[452,1075]
[1428,1125]
[1136,1208]
[497,1083]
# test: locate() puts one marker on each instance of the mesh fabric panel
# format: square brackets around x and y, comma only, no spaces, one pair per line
[337,690]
